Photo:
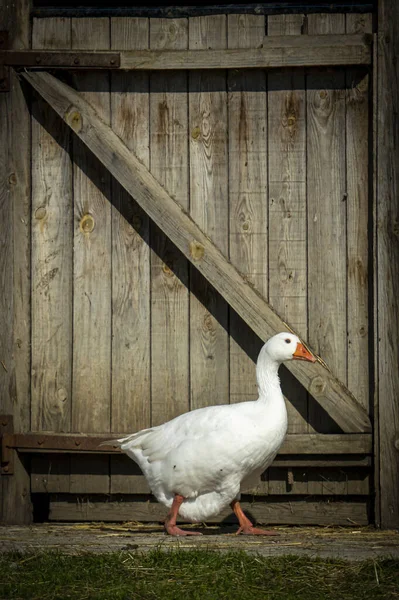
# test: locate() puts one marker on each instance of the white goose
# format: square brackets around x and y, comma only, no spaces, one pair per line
[199,462]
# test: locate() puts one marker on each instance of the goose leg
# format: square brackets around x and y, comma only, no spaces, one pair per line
[246,526]
[170,521]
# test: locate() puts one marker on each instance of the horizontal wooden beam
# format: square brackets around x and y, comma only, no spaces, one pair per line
[174,221]
[275,52]
[303,443]
[168,12]
[326,443]
[272,510]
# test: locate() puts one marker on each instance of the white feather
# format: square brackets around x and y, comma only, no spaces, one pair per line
[211,454]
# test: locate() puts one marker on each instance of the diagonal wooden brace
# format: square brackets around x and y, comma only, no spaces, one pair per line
[174,221]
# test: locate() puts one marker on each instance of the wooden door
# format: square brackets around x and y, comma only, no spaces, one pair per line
[273,166]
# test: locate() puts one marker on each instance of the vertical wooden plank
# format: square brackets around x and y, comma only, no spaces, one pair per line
[358,193]
[287,223]
[15,506]
[247,134]
[326,223]
[92,263]
[130,243]
[373,238]
[359,23]
[52,239]
[209,346]
[169,268]
[326,186]
[285,24]
[287,207]
[131,384]
[388,259]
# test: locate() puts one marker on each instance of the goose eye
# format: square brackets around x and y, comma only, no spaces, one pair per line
[287,341]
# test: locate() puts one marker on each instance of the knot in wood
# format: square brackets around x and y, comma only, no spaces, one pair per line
[317,386]
[173,31]
[12,180]
[62,394]
[208,323]
[196,132]
[87,223]
[197,250]
[40,213]
[397,444]
[167,270]
[74,119]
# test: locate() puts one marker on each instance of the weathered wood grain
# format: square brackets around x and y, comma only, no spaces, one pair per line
[358,211]
[92,252]
[50,474]
[295,51]
[387,250]
[91,400]
[314,443]
[131,383]
[326,187]
[287,207]
[170,354]
[247,187]
[131,386]
[357,201]
[290,511]
[194,243]
[209,344]
[287,24]
[298,51]
[52,251]
[15,248]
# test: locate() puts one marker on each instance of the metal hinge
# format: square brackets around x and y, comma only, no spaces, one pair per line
[60,59]
[51,59]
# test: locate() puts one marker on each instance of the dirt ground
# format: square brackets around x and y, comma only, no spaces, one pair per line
[349,543]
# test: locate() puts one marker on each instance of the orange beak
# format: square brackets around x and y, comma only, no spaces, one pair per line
[302,353]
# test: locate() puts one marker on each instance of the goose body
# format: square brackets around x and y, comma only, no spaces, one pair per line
[207,457]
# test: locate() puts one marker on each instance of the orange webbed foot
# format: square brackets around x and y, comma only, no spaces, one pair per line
[176,531]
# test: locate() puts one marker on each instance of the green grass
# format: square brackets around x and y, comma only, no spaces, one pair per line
[197,575]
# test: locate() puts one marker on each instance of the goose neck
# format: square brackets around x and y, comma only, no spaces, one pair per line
[267,377]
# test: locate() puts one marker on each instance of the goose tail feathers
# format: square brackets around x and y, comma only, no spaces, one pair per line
[119,442]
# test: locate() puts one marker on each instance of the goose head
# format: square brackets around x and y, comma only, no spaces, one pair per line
[287,346]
